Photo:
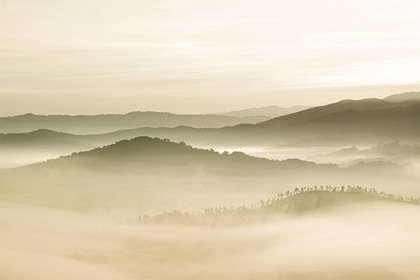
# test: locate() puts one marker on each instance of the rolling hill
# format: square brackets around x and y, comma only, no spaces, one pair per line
[150,173]
[299,201]
[404,97]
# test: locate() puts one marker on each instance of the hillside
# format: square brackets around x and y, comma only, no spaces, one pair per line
[404,97]
[91,124]
[324,112]
[361,121]
[299,201]
[139,173]
[159,153]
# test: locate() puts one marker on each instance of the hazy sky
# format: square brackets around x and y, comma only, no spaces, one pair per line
[90,56]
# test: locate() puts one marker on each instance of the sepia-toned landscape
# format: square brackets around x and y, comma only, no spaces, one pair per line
[184,140]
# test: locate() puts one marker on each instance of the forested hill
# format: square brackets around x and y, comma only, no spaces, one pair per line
[150,153]
[298,201]
[152,173]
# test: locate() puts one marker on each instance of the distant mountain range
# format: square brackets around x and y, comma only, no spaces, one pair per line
[136,173]
[93,124]
[90,124]
[268,111]
[366,121]
[348,122]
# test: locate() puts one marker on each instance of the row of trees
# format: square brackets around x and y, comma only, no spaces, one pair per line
[288,201]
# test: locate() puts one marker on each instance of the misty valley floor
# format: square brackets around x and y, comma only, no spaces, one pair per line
[361,241]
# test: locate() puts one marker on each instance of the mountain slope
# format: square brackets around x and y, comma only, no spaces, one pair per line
[268,111]
[320,112]
[364,120]
[404,97]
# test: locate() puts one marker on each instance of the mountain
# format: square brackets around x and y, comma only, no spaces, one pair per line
[348,122]
[150,153]
[90,124]
[354,122]
[323,112]
[151,173]
[360,121]
[404,97]
[268,111]
[18,149]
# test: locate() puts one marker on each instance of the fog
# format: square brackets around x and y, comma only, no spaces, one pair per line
[283,152]
[10,158]
[77,217]
[14,158]
[360,241]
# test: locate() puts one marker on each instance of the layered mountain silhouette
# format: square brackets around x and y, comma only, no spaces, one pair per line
[365,121]
[139,173]
[345,122]
[89,124]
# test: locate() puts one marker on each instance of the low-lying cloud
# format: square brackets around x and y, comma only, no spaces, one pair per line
[364,241]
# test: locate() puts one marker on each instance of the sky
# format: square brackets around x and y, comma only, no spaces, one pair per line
[194,56]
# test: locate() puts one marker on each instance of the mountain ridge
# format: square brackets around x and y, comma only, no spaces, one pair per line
[103,123]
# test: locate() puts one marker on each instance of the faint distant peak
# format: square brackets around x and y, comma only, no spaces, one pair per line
[142,113]
[27,115]
[404,97]
[44,131]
